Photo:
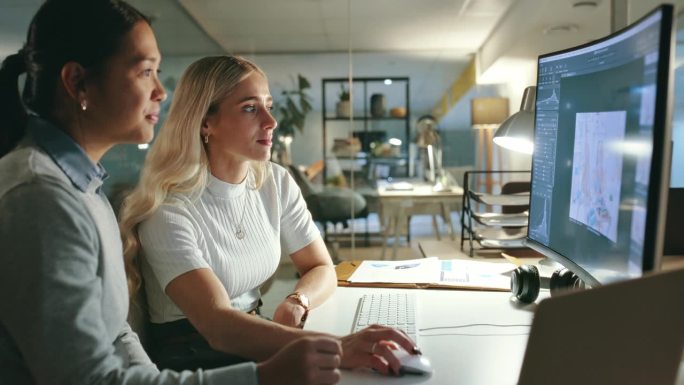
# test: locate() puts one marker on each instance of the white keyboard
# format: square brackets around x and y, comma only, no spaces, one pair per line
[397,310]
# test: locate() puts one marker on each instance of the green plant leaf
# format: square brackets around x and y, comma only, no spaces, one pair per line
[306,105]
[303,82]
[344,94]
[293,107]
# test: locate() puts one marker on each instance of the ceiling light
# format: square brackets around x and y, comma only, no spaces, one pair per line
[561,28]
[388,81]
[585,4]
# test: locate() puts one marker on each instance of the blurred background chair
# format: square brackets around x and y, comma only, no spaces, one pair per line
[330,205]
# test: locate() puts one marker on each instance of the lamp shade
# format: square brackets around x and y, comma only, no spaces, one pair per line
[488,112]
[516,132]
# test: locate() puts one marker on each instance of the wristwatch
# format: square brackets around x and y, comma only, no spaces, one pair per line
[302,300]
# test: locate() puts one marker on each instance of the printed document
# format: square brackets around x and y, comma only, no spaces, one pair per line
[449,272]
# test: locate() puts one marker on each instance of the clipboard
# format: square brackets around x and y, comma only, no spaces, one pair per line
[345,269]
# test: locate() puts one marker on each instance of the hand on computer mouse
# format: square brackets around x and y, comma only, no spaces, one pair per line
[413,363]
[372,348]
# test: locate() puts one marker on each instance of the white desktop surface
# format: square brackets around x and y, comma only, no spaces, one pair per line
[494,357]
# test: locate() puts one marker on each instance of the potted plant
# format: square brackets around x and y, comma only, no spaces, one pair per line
[292,111]
[343,106]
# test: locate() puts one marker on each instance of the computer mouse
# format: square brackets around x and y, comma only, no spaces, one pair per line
[413,363]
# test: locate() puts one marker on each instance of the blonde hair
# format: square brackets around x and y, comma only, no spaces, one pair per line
[178,162]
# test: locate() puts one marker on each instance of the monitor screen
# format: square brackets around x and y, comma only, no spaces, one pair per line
[677,176]
[600,167]
[674,241]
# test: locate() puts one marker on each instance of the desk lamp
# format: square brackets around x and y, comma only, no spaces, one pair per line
[515,133]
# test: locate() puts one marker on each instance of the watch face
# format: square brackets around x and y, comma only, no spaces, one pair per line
[300,298]
[305,300]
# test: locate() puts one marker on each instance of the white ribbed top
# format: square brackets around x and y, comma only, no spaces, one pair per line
[183,235]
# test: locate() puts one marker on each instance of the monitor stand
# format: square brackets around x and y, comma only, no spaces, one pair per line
[547,267]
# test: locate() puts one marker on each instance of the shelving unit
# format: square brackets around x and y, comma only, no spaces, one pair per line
[495,221]
[366,127]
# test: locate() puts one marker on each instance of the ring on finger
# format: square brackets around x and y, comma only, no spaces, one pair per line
[375,344]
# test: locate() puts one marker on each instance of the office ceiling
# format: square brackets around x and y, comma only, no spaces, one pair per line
[267,26]
[430,41]
[196,27]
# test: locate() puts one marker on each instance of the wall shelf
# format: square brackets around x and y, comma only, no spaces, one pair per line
[368,129]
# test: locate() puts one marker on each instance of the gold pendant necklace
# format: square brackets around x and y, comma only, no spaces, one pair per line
[239,229]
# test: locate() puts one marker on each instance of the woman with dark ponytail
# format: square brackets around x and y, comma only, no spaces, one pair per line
[91,82]
[13,126]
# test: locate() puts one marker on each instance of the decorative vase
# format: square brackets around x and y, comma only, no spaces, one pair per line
[398,112]
[378,105]
[343,109]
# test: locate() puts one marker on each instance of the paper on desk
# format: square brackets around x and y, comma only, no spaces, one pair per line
[450,272]
[400,186]
[464,273]
[423,270]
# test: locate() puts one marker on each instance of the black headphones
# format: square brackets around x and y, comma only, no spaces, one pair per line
[525,282]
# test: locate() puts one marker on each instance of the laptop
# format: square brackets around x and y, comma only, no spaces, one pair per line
[631,332]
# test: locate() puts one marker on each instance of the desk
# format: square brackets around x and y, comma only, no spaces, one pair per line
[492,358]
[445,249]
[397,205]
[452,250]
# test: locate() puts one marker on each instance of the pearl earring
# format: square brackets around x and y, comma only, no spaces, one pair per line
[206,138]
[84,105]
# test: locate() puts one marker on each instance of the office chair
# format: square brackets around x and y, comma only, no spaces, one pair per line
[330,205]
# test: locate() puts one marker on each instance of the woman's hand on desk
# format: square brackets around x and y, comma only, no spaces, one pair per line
[305,361]
[372,348]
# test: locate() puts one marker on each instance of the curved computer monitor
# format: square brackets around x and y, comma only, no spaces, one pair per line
[674,241]
[600,168]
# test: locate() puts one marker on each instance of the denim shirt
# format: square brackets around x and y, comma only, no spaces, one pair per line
[67,154]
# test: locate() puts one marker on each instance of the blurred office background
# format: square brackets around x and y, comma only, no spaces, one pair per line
[452,52]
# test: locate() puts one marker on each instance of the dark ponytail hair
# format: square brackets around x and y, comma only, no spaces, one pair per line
[12,111]
[84,31]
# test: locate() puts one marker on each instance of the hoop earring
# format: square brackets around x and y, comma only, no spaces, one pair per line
[84,105]
[206,138]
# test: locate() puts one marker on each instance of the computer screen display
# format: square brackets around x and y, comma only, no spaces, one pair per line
[674,241]
[602,149]
[677,176]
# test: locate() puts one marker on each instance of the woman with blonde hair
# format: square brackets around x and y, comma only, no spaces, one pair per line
[210,218]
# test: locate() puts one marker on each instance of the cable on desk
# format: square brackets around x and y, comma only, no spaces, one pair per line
[473,325]
[474,335]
